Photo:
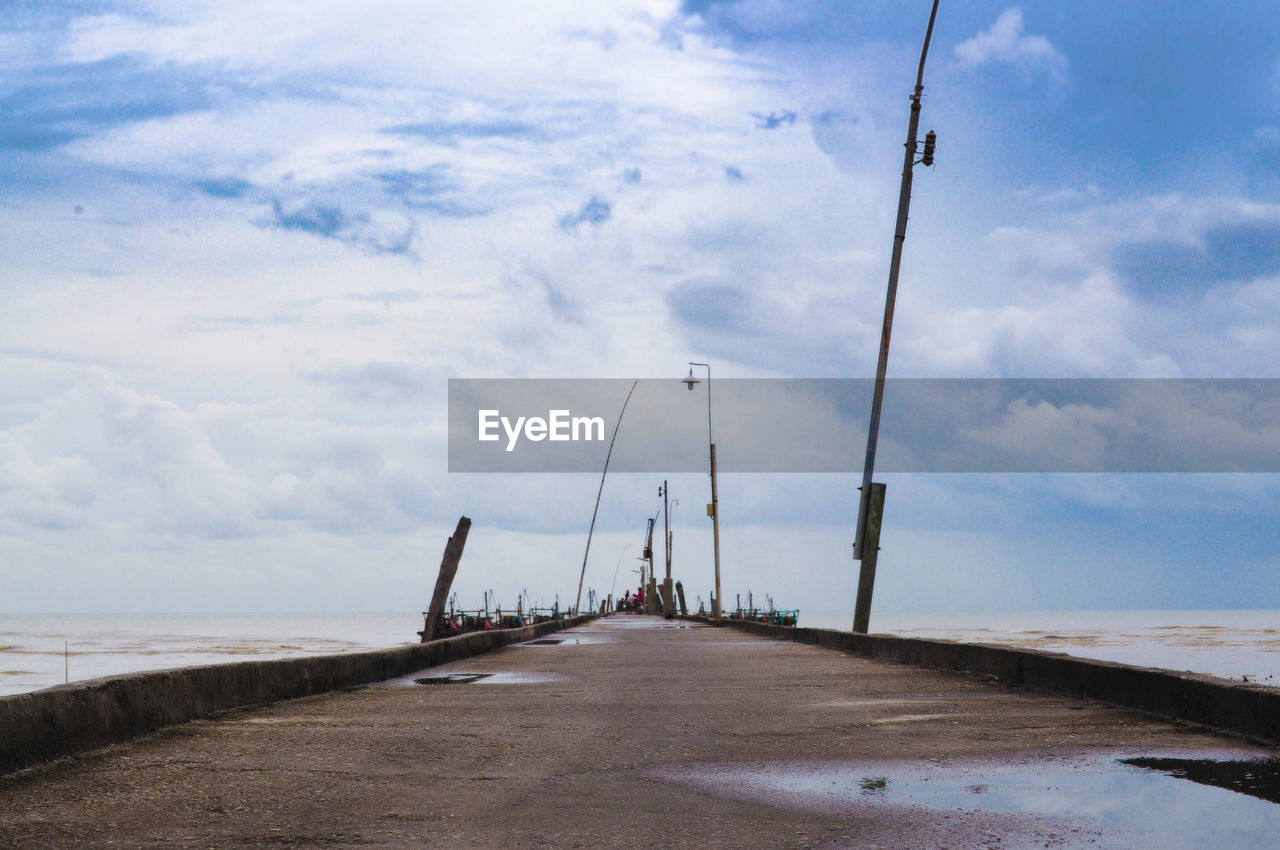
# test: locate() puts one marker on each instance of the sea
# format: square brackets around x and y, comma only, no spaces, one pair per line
[44,650]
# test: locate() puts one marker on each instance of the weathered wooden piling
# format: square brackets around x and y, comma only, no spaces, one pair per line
[869,552]
[444,581]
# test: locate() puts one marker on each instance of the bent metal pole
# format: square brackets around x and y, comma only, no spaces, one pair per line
[867,576]
[596,510]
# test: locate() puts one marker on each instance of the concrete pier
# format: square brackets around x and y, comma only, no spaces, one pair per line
[629,732]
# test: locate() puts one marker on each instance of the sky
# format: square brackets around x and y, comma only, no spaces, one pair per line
[244,246]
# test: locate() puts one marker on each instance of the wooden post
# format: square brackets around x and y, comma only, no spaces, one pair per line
[684,609]
[870,549]
[448,568]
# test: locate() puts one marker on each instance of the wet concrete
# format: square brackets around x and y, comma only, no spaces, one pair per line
[1085,799]
[630,734]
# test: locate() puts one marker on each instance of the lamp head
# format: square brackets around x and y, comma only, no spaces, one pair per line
[690,381]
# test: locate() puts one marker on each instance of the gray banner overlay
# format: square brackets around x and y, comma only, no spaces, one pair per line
[820,425]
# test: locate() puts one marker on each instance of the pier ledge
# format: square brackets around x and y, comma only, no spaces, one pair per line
[627,731]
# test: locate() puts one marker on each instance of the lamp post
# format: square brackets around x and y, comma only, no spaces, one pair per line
[870,507]
[715,500]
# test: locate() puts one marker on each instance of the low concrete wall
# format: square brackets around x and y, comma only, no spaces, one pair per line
[81,716]
[1252,710]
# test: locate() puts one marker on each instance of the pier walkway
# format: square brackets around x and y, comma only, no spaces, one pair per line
[629,732]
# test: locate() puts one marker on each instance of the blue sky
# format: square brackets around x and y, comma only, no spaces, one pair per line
[244,246]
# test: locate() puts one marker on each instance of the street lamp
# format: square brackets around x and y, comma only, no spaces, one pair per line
[714,507]
[866,541]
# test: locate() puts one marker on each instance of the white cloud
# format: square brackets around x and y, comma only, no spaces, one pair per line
[1004,43]
[272,407]
[104,455]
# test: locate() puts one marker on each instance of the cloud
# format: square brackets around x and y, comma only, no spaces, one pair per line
[65,101]
[1266,137]
[104,456]
[594,212]
[388,297]
[774,119]
[226,187]
[427,188]
[452,133]
[555,295]
[231,173]
[376,231]
[383,382]
[1004,43]
[734,174]
[1166,267]
[1072,436]
[214,324]
[710,305]
[313,217]
[56,356]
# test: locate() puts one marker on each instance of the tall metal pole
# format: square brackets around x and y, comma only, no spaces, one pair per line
[666,527]
[863,546]
[647,585]
[668,594]
[716,606]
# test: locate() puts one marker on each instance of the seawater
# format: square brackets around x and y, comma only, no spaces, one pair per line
[1228,644]
[42,650]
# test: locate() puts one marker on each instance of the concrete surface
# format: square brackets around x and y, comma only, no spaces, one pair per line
[633,732]
[80,716]
[1251,710]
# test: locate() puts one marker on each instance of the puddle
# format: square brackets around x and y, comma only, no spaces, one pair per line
[564,641]
[1257,778]
[912,718]
[497,677]
[1163,802]
[645,621]
[451,679]
[872,702]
